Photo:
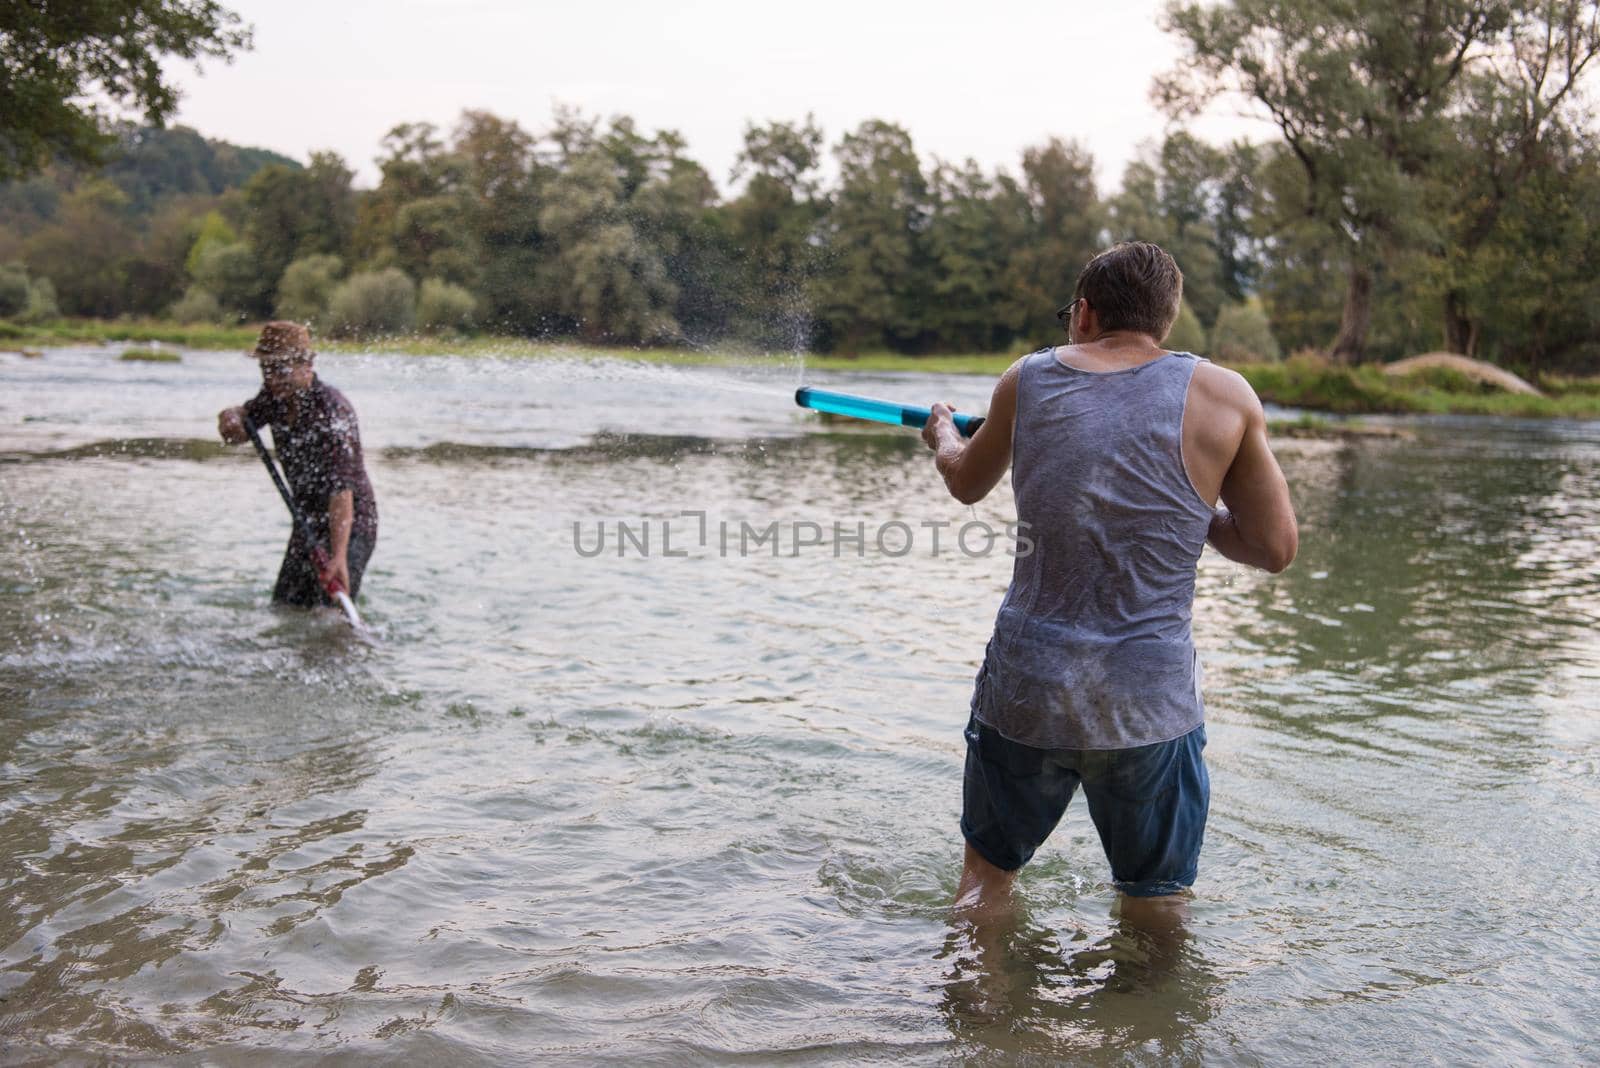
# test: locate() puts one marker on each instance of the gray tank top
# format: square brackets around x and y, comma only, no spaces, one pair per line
[1092,646]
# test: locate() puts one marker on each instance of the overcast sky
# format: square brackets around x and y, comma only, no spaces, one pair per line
[966,79]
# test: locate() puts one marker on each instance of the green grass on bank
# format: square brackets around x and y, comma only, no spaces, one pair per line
[1299,382]
[151,355]
[105,332]
[1302,382]
[211,338]
[1314,384]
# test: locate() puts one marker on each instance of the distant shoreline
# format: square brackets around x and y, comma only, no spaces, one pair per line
[1298,382]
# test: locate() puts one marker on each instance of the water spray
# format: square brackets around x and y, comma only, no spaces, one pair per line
[319,556]
[878,411]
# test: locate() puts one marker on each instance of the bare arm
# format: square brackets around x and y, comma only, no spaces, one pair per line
[971,467]
[1257,524]
[341,516]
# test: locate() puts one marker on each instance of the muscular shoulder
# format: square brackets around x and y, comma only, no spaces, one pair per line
[1224,394]
[1222,408]
[1003,403]
[1009,377]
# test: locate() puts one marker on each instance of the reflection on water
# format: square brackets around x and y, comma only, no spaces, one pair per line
[1019,992]
[704,808]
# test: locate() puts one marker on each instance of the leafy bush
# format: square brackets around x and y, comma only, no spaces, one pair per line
[306,287]
[41,302]
[442,306]
[214,232]
[27,300]
[14,289]
[1186,335]
[197,305]
[1242,334]
[372,304]
[231,273]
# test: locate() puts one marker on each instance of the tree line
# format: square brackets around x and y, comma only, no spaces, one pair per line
[1436,185]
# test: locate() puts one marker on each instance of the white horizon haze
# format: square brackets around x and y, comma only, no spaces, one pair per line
[338,75]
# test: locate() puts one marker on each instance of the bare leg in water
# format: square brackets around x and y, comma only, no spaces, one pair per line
[1160,924]
[982,919]
[1159,917]
[984,894]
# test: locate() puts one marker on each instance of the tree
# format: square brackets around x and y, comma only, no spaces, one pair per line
[83,252]
[1064,221]
[504,182]
[770,226]
[151,164]
[415,165]
[1240,240]
[431,237]
[608,285]
[869,293]
[674,212]
[155,262]
[1170,198]
[1359,90]
[1186,335]
[1520,117]
[54,57]
[213,232]
[232,273]
[968,250]
[293,211]
[306,288]
[1243,334]
[1536,277]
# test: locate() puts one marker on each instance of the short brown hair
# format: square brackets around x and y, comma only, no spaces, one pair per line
[1135,286]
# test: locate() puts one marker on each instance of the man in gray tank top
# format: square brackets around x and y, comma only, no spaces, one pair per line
[1119,452]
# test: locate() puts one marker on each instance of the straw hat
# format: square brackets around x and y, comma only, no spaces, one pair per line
[283,341]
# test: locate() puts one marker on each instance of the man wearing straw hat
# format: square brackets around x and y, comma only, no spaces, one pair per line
[316,437]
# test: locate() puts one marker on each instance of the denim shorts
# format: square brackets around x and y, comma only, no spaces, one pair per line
[1148,803]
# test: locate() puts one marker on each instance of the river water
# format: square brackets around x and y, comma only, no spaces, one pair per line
[697,802]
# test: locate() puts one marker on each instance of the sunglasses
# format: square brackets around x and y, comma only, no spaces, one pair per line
[1065,313]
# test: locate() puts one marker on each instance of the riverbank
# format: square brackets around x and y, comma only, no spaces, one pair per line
[1317,385]
[1299,382]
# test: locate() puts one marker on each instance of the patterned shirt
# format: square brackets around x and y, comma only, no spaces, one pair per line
[320,452]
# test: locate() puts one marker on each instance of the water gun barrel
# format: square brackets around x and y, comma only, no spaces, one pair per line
[877,411]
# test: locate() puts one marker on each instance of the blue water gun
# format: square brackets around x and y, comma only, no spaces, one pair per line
[878,411]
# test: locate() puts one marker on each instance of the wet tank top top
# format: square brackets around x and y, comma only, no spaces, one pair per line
[1092,647]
